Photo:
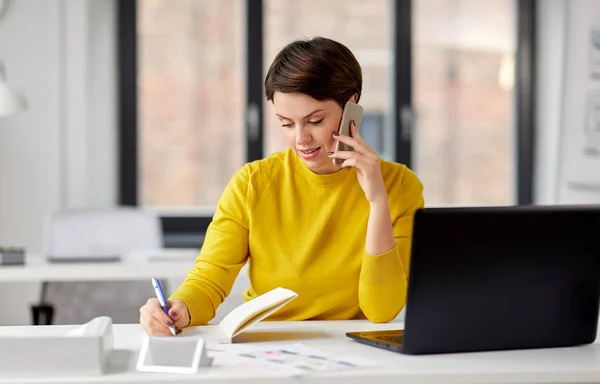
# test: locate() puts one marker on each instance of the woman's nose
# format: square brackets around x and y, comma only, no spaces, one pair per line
[303,136]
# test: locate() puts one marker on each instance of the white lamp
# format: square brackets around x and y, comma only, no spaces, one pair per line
[10,102]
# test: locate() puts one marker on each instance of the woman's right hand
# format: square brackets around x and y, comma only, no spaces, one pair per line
[156,322]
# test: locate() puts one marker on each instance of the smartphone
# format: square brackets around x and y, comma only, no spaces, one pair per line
[352,111]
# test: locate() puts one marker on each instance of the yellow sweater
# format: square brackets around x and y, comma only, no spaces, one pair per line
[305,232]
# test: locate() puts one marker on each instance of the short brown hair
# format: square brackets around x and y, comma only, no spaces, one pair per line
[319,67]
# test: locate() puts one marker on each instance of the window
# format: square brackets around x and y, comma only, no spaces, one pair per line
[190,102]
[448,90]
[463,93]
[365,27]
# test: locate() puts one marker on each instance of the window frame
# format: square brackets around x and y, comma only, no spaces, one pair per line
[188,230]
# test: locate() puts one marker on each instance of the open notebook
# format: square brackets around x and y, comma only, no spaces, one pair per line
[253,311]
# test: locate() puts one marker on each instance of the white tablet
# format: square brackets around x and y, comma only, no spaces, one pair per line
[172,354]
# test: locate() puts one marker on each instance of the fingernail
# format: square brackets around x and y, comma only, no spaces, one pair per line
[335,134]
[352,122]
[330,153]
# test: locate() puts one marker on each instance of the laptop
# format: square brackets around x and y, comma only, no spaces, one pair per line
[499,278]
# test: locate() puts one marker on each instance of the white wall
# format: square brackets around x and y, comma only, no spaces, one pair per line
[579,169]
[564,173]
[30,144]
[61,152]
[551,24]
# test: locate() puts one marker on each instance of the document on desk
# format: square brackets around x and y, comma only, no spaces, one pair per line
[294,359]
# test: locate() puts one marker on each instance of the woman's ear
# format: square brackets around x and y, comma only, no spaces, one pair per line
[354,98]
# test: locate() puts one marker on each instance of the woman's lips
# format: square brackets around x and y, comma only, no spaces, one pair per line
[309,154]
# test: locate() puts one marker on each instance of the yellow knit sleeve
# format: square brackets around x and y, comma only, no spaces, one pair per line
[384,278]
[223,254]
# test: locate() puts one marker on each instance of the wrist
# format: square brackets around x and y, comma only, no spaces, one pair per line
[379,204]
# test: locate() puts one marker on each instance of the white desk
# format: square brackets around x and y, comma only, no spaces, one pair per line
[37,269]
[564,365]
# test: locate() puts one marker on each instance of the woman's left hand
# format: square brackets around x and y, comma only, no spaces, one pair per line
[366,162]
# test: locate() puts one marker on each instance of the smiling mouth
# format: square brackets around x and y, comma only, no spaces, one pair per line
[309,151]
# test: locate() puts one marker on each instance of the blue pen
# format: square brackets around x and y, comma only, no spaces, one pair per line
[160,295]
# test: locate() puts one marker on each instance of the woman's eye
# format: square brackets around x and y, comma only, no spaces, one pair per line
[316,122]
[286,125]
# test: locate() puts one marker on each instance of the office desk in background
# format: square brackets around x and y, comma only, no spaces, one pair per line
[38,269]
[45,309]
[174,269]
[560,365]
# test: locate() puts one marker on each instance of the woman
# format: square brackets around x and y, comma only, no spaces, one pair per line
[338,238]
